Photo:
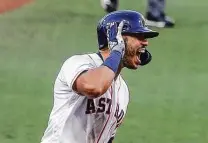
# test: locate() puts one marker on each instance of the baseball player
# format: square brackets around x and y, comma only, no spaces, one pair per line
[90,95]
[155,15]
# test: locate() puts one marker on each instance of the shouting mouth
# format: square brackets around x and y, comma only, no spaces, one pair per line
[138,53]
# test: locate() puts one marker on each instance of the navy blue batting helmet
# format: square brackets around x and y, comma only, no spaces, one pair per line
[135,25]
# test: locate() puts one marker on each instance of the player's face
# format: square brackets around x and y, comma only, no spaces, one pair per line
[135,45]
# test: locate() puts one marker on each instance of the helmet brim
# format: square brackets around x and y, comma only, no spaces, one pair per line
[149,33]
[146,32]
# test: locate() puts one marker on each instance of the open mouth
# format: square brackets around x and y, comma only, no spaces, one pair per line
[138,53]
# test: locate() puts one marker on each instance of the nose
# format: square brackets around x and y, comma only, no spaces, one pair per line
[144,42]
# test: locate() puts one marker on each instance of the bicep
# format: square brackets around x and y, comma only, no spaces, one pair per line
[94,82]
[77,84]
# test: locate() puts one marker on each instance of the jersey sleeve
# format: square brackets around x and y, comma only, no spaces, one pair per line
[74,66]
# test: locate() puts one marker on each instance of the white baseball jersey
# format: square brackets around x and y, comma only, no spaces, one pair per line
[78,119]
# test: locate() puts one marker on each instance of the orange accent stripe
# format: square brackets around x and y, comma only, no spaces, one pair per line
[107,119]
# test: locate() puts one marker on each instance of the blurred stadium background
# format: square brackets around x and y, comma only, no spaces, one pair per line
[169,97]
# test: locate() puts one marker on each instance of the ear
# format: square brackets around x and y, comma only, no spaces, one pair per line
[125,38]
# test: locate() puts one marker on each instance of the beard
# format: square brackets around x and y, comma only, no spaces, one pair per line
[129,53]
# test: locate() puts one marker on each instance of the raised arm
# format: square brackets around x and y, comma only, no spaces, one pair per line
[95,82]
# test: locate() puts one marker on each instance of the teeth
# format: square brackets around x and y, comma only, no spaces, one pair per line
[142,50]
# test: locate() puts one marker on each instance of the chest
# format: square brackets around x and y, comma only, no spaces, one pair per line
[113,103]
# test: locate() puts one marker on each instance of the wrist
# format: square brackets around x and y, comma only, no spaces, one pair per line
[113,61]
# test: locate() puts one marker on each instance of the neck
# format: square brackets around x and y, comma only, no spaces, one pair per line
[105,54]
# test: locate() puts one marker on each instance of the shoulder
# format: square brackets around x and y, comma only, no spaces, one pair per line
[78,60]
[91,59]
[73,66]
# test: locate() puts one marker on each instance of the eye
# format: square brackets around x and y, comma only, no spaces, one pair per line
[140,37]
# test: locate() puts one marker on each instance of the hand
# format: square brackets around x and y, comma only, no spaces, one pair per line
[114,37]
